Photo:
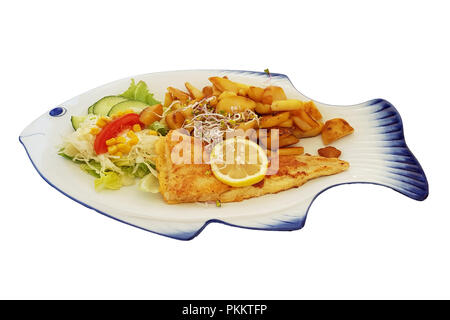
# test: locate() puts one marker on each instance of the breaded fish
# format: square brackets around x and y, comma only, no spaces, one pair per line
[180,183]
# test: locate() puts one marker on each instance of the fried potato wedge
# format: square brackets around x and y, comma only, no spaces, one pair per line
[248,125]
[309,133]
[273,93]
[195,93]
[175,119]
[289,151]
[243,89]
[335,129]
[306,117]
[329,152]
[267,137]
[188,112]
[287,124]
[301,124]
[283,132]
[208,91]
[311,109]
[286,105]
[167,99]
[302,114]
[263,108]
[235,104]
[226,94]
[224,84]
[216,91]
[297,132]
[151,114]
[273,120]
[288,140]
[255,93]
[178,94]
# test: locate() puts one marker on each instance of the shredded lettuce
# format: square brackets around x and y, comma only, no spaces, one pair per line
[109,180]
[93,168]
[140,92]
[159,127]
[138,171]
[141,171]
[62,154]
[149,184]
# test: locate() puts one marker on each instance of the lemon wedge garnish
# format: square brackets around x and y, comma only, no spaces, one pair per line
[238,162]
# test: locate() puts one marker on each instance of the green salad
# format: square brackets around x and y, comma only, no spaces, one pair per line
[112,144]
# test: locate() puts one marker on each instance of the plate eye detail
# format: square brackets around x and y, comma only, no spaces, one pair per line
[57,112]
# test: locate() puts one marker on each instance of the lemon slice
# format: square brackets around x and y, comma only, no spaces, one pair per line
[238,162]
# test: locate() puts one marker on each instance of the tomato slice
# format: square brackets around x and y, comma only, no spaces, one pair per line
[112,129]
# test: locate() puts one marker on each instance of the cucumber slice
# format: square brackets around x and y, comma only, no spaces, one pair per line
[102,106]
[76,121]
[91,109]
[136,106]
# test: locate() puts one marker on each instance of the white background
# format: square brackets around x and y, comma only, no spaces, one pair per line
[360,241]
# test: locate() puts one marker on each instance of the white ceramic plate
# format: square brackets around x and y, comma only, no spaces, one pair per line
[377,153]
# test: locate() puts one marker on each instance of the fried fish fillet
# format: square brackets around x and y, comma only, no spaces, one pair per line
[181,183]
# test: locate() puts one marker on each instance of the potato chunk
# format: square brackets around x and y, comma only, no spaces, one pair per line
[178,94]
[301,124]
[335,129]
[167,99]
[273,120]
[291,151]
[263,108]
[226,94]
[151,114]
[255,93]
[273,93]
[207,91]
[225,84]
[286,151]
[175,119]
[311,132]
[287,140]
[235,104]
[311,109]
[287,105]
[195,93]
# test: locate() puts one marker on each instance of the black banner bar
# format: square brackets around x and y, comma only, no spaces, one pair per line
[223,309]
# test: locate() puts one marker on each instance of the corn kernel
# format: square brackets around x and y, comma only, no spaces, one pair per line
[119,154]
[111,141]
[133,141]
[95,130]
[131,134]
[152,132]
[119,114]
[122,147]
[102,122]
[121,139]
[128,111]
[112,149]
[137,127]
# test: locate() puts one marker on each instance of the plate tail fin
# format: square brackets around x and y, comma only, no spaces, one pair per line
[380,153]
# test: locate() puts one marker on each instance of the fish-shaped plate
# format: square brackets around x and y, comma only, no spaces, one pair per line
[377,153]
